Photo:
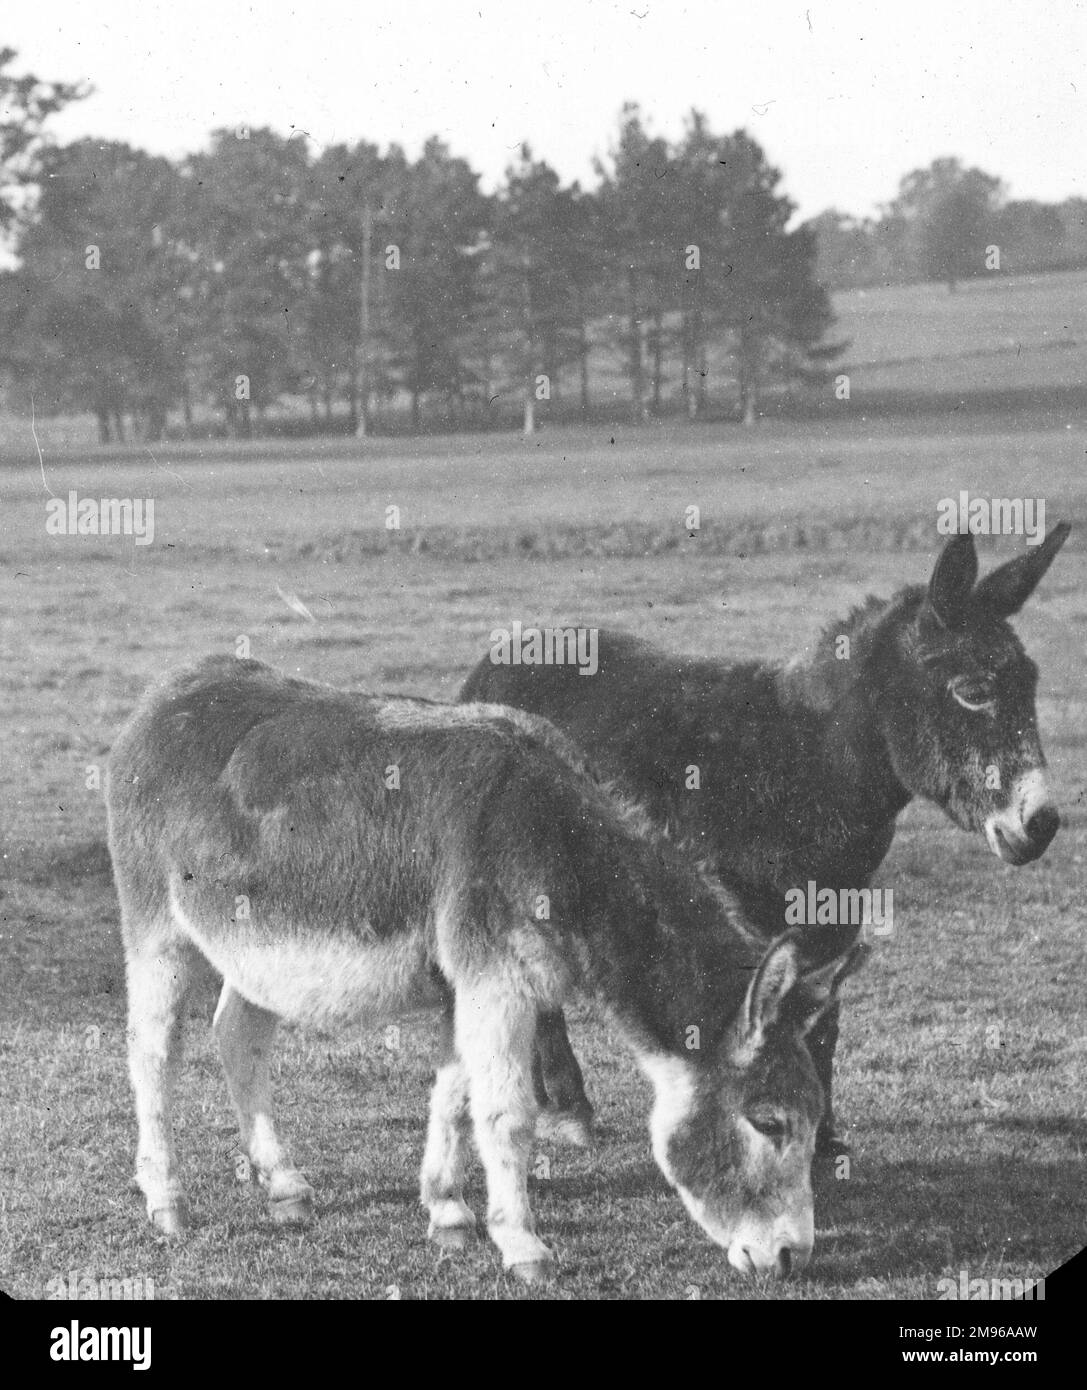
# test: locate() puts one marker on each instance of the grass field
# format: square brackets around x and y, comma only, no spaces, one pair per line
[995,333]
[966,1157]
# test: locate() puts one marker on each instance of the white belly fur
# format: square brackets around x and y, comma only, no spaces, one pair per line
[321,983]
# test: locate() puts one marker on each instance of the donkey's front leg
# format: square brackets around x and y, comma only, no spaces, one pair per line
[244,1033]
[822,1041]
[495,1028]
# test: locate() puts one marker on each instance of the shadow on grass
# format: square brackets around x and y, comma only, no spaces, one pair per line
[1072,1127]
[911,1217]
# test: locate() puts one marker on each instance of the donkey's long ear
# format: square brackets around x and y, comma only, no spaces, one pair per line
[819,987]
[1009,586]
[952,580]
[778,972]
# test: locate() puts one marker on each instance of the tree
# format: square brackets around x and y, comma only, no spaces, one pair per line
[846,250]
[775,308]
[350,193]
[582,255]
[1073,214]
[535,280]
[700,250]
[1031,235]
[437,221]
[705,188]
[96,292]
[247,229]
[26,103]
[642,245]
[949,216]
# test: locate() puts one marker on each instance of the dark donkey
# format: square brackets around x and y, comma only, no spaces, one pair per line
[256,821]
[804,767]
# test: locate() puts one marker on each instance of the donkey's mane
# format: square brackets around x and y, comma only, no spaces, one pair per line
[819,676]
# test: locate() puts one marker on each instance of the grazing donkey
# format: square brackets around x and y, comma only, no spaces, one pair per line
[339,858]
[804,767]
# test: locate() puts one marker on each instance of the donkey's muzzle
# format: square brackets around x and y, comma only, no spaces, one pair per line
[1024,828]
[784,1260]
[1032,843]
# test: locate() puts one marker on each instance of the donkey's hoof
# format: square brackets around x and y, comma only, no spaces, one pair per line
[171,1221]
[451,1237]
[292,1211]
[574,1127]
[534,1271]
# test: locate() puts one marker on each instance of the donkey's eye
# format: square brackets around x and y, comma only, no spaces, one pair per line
[971,693]
[772,1126]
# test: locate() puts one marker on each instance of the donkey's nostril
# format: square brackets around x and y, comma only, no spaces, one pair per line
[784,1262]
[1042,826]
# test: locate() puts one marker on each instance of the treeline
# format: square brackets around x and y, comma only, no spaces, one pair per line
[352,280]
[944,224]
[347,285]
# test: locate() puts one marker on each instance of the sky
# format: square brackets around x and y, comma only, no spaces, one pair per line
[845,97]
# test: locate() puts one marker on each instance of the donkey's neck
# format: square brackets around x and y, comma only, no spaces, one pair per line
[665,954]
[836,691]
[805,785]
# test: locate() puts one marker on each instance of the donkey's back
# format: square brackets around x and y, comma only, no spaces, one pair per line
[302,837]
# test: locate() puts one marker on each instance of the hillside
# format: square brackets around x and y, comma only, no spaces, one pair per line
[1000,333]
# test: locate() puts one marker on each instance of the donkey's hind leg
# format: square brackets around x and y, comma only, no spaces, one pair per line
[495,1031]
[565,1115]
[158,971]
[452,1221]
[244,1033]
